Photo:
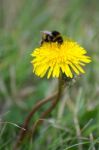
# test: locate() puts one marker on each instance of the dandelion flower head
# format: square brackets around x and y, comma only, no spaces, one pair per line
[52,59]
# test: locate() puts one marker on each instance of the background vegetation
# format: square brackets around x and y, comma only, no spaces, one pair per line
[74,125]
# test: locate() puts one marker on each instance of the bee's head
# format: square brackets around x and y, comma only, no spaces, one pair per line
[55,33]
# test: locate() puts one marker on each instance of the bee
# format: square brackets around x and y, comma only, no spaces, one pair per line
[53,36]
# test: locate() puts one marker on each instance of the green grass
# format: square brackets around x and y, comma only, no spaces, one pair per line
[74,124]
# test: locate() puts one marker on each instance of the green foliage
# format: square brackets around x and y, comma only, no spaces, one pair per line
[75,122]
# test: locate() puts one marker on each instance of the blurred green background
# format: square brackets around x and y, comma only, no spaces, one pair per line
[74,125]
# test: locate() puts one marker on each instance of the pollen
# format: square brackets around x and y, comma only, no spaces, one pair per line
[52,59]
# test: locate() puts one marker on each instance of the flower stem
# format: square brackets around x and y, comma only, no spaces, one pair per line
[23,133]
[50,109]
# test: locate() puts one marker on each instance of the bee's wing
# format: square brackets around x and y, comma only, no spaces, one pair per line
[46,32]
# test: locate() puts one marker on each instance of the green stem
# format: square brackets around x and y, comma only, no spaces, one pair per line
[23,133]
[49,110]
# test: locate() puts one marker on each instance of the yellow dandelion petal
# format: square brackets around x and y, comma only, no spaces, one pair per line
[74,68]
[80,68]
[52,58]
[50,72]
[68,71]
[56,71]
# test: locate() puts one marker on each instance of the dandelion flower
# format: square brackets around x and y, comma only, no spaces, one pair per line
[53,59]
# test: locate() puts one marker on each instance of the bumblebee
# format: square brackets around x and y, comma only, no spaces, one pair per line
[53,36]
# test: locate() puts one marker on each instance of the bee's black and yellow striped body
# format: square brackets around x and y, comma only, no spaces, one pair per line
[53,36]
